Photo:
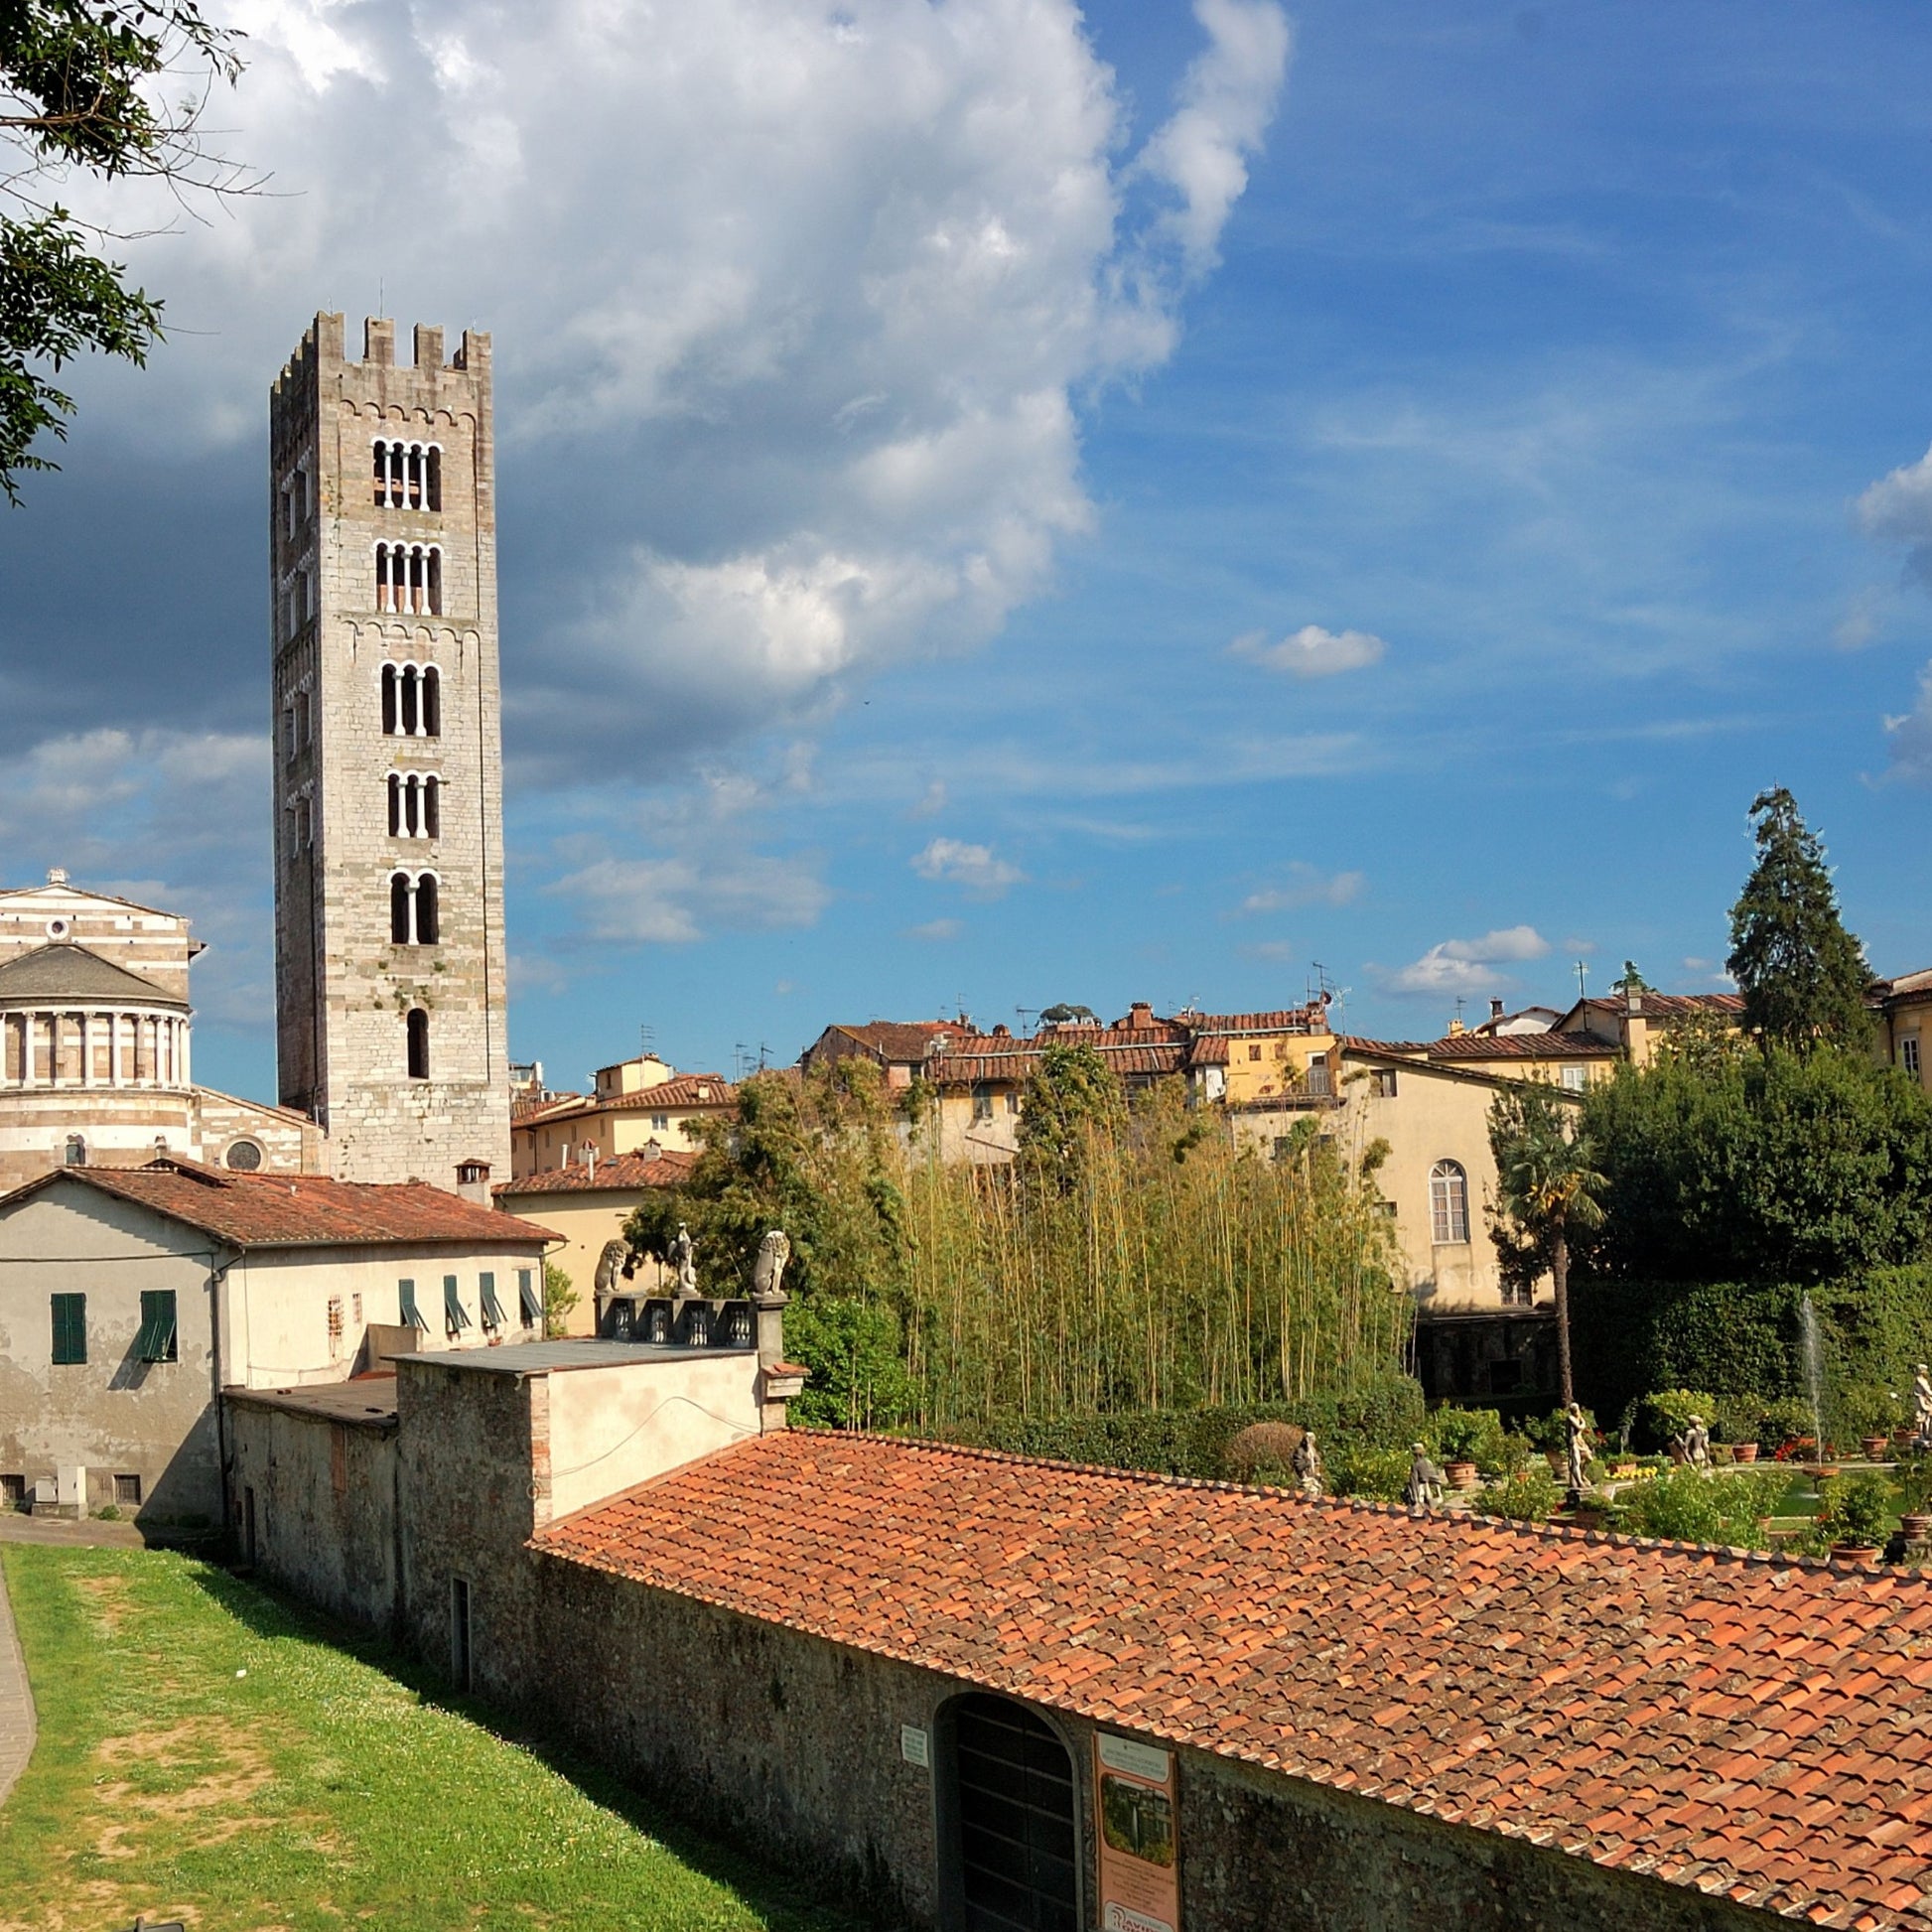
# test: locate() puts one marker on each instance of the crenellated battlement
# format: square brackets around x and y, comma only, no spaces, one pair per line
[322,351]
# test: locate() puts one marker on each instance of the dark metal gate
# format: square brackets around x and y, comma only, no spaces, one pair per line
[1016,1839]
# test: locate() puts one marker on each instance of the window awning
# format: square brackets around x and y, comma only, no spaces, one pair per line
[412,1316]
[455,1318]
[492,1310]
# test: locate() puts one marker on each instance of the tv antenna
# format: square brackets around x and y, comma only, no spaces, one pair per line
[1582,972]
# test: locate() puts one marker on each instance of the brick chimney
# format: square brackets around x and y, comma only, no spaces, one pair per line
[1635,1029]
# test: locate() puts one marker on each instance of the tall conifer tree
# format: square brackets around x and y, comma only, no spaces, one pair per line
[1802,974]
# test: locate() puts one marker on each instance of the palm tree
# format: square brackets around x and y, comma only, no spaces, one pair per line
[1546,1186]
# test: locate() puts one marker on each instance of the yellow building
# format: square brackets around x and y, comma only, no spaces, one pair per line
[635,1103]
[1904,1010]
[587,1204]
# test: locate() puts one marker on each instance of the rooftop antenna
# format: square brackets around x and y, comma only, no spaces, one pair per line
[1026,1016]
[646,1035]
[741,1058]
[1458,1006]
[1581,975]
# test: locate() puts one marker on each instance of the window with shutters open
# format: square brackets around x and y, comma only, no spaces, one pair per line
[157,1341]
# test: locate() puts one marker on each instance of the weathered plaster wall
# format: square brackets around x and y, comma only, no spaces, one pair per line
[113,1415]
[325,1494]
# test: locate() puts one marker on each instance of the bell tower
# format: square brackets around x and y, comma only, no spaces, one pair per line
[390,995]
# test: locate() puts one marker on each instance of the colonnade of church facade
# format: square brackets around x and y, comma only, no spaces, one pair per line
[62,1046]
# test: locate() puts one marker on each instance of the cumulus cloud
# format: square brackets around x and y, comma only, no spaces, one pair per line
[1908,738]
[790,307]
[1469,966]
[1897,509]
[935,932]
[974,866]
[1313,651]
[673,900]
[1306,884]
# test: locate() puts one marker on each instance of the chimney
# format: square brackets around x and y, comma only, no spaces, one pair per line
[1140,1013]
[1456,1027]
[1495,1008]
[1635,1027]
[472,1182]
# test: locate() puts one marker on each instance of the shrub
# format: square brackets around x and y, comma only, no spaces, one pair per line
[1683,1505]
[1528,1495]
[1667,1413]
[858,1378]
[1469,1436]
[1267,1446]
[1375,1475]
[1859,1409]
[107,1513]
[1858,1509]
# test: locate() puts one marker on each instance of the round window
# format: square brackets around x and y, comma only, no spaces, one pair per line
[245,1157]
[58,928]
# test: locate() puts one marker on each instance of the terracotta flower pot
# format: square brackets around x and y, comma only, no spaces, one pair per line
[1917,1525]
[1873,1447]
[1854,1553]
[1904,1438]
[1462,1476]
[1744,1451]
[1822,1470]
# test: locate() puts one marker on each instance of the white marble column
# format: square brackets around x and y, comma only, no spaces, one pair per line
[186,1075]
[84,1026]
[114,1049]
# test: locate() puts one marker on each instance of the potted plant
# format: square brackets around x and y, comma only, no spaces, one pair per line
[1463,1438]
[1913,1483]
[1856,1517]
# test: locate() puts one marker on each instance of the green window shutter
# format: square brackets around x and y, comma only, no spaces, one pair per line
[412,1316]
[70,1330]
[157,1340]
[492,1310]
[526,1299]
[454,1317]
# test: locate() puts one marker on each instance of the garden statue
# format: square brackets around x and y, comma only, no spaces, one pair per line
[767,1271]
[682,1264]
[1307,1464]
[1697,1444]
[1576,1446]
[1923,1406]
[1425,1489]
[613,1263]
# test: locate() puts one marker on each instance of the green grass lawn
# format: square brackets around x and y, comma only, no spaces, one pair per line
[207,1753]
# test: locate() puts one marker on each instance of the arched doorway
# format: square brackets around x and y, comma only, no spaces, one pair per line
[1011,1844]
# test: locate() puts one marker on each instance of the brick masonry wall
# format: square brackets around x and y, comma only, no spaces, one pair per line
[343,988]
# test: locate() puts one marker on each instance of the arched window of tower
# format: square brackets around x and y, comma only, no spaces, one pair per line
[407,476]
[417,1034]
[432,700]
[428,930]
[431,806]
[400,897]
[395,804]
[391,711]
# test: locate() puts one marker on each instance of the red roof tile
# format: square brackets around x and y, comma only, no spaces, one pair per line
[1283,1019]
[263,1210]
[1521,1046]
[668,1096]
[897,1040]
[1729,1723]
[622,1171]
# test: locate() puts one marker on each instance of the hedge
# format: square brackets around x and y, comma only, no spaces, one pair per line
[1746,1338]
[1193,1441]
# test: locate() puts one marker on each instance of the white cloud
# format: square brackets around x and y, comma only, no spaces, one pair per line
[1276,952]
[1313,651]
[1864,619]
[1897,509]
[1306,884]
[936,931]
[956,863]
[791,304]
[672,901]
[1469,966]
[1908,739]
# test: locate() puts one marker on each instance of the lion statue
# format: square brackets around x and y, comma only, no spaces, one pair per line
[768,1272]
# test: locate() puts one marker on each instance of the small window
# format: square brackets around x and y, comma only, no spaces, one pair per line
[1449,1204]
[69,1330]
[1254,1052]
[428,926]
[417,1027]
[660,1123]
[1516,1295]
[156,1342]
[356,1310]
[432,700]
[492,1310]
[335,1326]
[1573,1078]
[399,909]
[1908,1054]
[1013,1100]
[391,700]
[432,819]
[77,1150]
[127,1491]
[528,1304]
[982,1101]
[245,1157]
[1381,1083]
[456,1317]
[1318,1073]
[412,1316]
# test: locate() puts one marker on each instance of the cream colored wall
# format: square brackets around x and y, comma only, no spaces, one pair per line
[585,1221]
[631,1131]
[613,1428]
[276,1306]
[963,1138]
[1903,1023]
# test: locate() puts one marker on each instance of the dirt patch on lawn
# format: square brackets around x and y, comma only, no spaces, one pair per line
[208,1772]
[108,1597]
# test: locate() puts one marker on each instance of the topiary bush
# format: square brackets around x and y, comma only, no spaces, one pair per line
[1262,1447]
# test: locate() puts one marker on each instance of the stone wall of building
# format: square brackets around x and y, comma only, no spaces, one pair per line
[321,1492]
[344,989]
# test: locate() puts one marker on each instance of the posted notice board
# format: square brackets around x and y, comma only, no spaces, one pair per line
[1140,1872]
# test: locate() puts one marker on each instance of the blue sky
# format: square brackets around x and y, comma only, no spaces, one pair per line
[1412,557]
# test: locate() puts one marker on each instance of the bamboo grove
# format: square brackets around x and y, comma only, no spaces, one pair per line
[1128,1258]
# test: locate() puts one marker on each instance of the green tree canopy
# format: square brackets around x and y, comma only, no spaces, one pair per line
[1071,1096]
[1727,1163]
[1803,976]
[82,86]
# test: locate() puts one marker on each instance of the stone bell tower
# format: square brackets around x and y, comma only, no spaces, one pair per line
[390,1013]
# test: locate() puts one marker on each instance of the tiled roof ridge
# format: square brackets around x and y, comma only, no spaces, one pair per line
[1367,1505]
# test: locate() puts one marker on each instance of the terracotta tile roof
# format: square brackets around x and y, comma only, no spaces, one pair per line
[261,1210]
[1912,986]
[622,1171]
[1521,1047]
[1668,1005]
[1284,1019]
[1208,1049]
[528,1107]
[1737,1725]
[1131,1054]
[897,1040]
[682,1090]
[1407,1049]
